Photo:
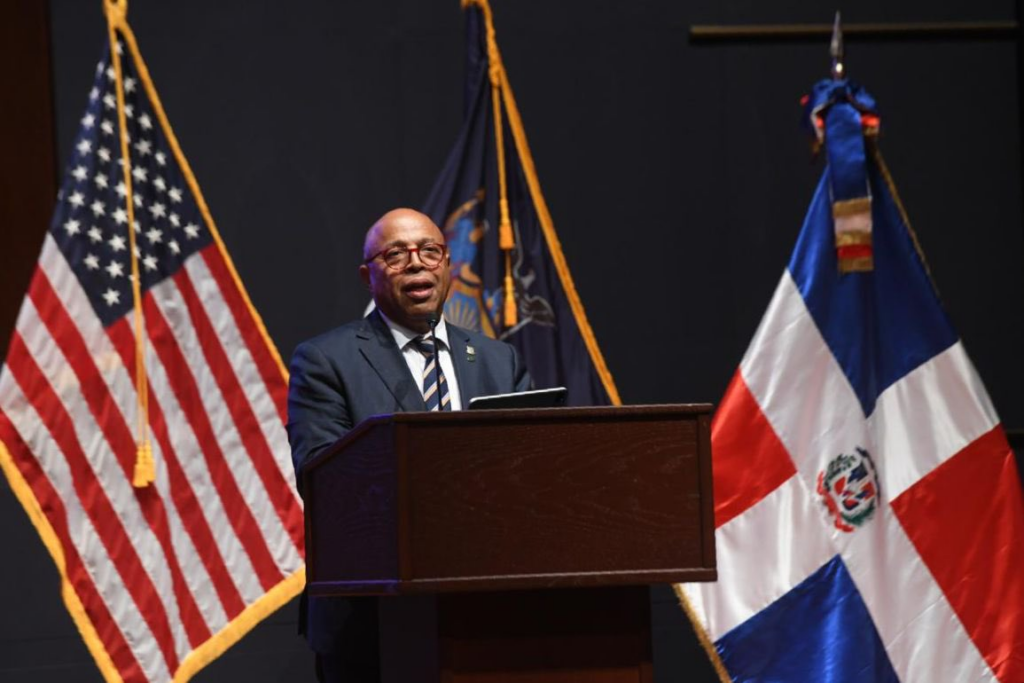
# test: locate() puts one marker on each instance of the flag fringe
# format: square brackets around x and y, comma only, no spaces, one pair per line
[193,184]
[23,492]
[238,627]
[554,246]
[232,632]
[702,635]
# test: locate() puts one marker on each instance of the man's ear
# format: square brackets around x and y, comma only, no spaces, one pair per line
[364,275]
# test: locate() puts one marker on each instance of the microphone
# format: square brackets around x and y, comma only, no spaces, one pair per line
[433,319]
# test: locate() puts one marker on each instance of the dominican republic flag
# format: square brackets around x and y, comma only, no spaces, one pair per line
[160,573]
[868,509]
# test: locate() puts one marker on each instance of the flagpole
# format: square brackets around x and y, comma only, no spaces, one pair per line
[145,468]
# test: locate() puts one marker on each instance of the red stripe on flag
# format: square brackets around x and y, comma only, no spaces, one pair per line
[192,515]
[278,489]
[268,367]
[94,499]
[117,434]
[966,519]
[748,460]
[183,384]
[52,506]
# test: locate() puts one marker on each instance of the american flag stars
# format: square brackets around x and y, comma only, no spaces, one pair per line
[115,269]
[92,229]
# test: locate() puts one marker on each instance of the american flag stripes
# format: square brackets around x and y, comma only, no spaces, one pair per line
[868,509]
[161,579]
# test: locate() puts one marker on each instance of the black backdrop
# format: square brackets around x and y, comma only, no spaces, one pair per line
[676,175]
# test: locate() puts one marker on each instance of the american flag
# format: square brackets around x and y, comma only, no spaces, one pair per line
[161,579]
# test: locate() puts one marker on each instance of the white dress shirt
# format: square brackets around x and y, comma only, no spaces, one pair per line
[418,363]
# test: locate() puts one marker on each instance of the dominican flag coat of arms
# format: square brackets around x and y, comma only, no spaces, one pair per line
[868,508]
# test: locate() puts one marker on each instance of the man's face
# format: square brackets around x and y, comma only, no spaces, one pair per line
[408,296]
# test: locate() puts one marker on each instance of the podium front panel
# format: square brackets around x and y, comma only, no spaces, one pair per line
[495,500]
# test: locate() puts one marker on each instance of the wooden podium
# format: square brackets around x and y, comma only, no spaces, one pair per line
[522,542]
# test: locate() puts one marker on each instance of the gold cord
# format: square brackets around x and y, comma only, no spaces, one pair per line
[145,468]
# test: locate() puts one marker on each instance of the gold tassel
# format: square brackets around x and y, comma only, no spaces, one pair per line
[506,237]
[145,470]
[511,310]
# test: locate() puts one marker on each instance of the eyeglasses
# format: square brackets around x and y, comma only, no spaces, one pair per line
[399,258]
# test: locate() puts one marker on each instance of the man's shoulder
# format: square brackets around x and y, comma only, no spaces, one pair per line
[343,334]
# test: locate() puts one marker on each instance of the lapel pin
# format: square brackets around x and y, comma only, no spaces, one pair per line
[470,353]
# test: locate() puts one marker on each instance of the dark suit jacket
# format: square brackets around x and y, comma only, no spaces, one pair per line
[355,371]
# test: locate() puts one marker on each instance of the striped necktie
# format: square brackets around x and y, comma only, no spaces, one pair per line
[435,399]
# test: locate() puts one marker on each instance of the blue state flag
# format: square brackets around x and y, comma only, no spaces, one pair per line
[510,278]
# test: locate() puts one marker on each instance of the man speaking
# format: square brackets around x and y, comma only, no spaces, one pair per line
[402,357]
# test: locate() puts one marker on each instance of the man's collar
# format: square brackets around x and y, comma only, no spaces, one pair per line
[403,335]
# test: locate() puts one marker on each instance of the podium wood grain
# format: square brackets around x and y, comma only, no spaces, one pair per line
[537,530]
